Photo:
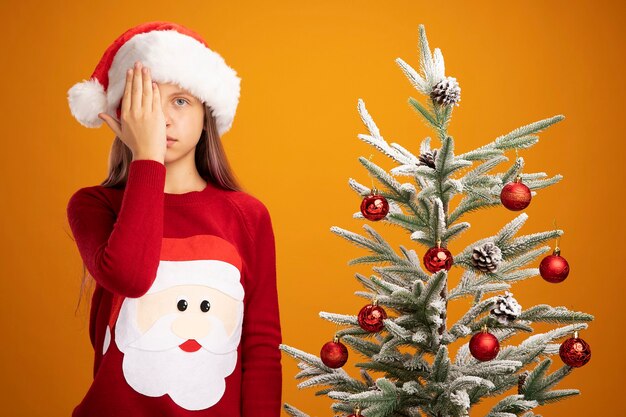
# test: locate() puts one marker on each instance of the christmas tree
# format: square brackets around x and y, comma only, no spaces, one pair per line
[409,298]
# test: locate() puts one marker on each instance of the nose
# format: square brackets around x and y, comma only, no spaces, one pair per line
[191,326]
[166,115]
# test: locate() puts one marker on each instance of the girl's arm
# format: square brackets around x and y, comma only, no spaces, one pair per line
[122,251]
[261,367]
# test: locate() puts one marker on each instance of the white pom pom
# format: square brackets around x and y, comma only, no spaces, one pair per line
[87,99]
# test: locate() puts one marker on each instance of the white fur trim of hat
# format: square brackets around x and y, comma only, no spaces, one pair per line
[220,275]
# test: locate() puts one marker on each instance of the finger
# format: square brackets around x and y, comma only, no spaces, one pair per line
[127,87]
[156,97]
[136,93]
[112,123]
[147,90]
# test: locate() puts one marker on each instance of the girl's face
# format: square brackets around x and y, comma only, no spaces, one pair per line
[184,120]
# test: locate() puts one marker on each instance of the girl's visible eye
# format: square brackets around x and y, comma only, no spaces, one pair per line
[185,101]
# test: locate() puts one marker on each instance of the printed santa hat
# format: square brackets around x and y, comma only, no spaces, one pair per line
[206,260]
[174,54]
[199,260]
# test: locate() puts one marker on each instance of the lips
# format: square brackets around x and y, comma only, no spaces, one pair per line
[190,346]
[169,139]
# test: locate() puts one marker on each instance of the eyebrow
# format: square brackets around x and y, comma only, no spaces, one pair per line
[179,92]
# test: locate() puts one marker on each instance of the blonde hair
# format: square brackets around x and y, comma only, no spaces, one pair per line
[211,163]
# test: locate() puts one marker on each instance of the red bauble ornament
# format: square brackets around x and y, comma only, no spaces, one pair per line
[374,206]
[334,354]
[554,268]
[515,195]
[371,317]
[438,258]
[575,352]
[484,346]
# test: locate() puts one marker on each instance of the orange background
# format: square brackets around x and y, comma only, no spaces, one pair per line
[294,145]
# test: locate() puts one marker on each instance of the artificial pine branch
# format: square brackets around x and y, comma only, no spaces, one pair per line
[293,411]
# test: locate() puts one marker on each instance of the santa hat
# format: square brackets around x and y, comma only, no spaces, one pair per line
[206,260]
[174,54]
[199,260]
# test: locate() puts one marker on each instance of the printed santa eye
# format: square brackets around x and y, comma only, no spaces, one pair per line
[182,305]
[205,306]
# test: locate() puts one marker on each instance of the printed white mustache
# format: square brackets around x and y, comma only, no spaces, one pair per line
[160,336]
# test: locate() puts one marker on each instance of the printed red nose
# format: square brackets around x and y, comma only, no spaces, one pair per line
[190,346]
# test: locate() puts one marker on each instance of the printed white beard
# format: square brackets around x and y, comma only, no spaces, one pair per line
[155,365]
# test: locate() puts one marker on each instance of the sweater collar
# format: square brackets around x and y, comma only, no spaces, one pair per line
[190,196]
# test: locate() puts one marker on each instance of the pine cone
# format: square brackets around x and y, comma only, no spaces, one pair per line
[520,381]
[487,257]
[507,308]
[447,91]
[428,158]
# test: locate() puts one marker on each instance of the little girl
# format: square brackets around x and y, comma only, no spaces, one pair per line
[184,318]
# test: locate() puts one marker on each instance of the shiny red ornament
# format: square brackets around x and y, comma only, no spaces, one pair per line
[374,207]
[438,258]
[484,346]
[334,354]
[371,317]
[575,352]
[554,268]
[515,195]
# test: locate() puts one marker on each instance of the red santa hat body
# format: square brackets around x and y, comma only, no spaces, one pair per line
[174,54]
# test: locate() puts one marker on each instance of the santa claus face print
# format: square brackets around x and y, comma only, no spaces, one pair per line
[181,337]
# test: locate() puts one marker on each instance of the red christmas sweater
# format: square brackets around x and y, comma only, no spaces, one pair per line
[184,318]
